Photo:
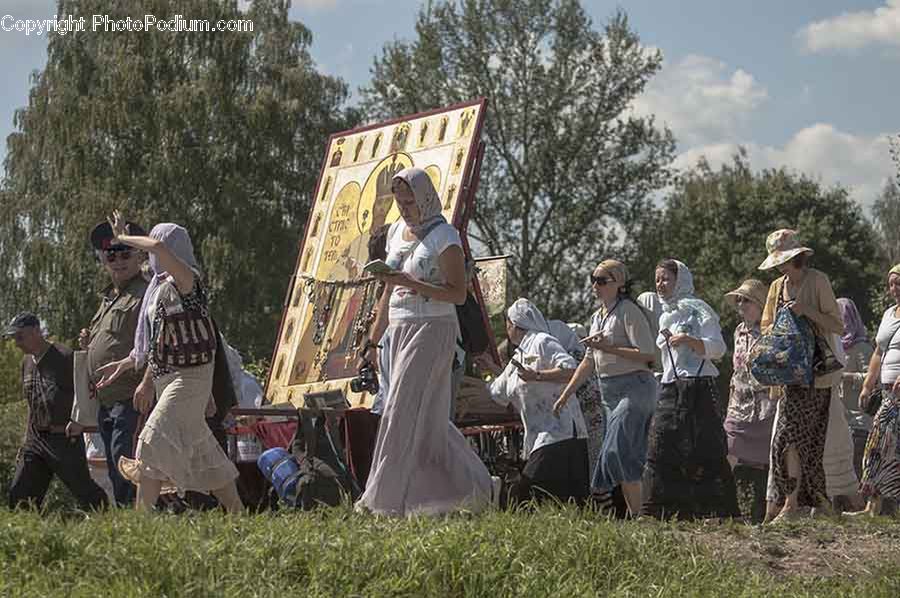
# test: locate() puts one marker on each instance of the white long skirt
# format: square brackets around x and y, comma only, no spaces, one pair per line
[422,463]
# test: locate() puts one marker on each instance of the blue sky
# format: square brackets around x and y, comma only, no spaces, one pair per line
[810,84]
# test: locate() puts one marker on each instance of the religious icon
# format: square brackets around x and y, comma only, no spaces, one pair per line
[398,143]
[458,160]
[442,133]
[325,188]
[451,192]
[464,121]
[316,223]
[423,131]
[359,146]
[338,154]
[306,259]
[375,145]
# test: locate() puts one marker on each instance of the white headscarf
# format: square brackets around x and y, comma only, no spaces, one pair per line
[427,199]
[178,241]
[683,297]
[566,337]
[526,316]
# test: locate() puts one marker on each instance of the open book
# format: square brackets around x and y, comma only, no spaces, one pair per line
[379,267]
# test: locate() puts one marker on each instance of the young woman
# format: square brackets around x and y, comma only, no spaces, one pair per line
[620,351]
[687,473]
[422,463]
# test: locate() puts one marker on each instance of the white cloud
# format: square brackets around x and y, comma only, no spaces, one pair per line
[701,99]
[853,30]
[860,163]
[314,4]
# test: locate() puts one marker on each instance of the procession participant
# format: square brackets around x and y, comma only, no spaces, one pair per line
[178,339]
[422,463]
[555,446]
[110,337]
[47,386]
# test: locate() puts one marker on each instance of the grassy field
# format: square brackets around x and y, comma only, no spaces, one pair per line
[553,551]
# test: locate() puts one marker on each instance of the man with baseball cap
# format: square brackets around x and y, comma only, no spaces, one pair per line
[110,338]
[47,385]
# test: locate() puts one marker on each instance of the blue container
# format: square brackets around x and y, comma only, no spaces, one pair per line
[282,470]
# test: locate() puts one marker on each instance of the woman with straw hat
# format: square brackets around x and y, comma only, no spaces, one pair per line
[798,441]
[750,415]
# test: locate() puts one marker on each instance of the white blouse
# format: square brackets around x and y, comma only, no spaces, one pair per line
[534,400]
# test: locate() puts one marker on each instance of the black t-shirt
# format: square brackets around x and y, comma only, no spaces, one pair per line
[48,387]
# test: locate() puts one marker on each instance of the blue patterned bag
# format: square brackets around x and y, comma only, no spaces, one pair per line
[784,356]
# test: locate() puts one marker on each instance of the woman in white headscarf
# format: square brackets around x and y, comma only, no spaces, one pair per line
[555,445]
[422,463]
[178,341]
[687,473]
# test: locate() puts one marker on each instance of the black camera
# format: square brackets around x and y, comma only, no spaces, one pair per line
[366,379]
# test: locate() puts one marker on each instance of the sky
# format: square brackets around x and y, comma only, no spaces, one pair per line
[813,85]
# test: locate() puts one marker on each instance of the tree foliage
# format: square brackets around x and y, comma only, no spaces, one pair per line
[221,132]
[569,168]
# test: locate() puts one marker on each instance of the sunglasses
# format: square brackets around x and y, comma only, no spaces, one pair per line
[122,254]
[600,281]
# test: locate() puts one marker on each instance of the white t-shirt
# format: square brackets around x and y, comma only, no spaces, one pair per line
[419,259]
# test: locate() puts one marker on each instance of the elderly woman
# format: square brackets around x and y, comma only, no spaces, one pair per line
[178,339]
[750,414]
[422,463]
[859,350]
[687,473]
[798,442]
[588,392]
[881,463]
[555,445]
[620,351]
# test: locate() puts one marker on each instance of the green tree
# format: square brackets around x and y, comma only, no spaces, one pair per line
[221,132]
[569,169]
[886,213]
[717,221]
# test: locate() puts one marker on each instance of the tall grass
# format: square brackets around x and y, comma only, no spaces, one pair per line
[336,552]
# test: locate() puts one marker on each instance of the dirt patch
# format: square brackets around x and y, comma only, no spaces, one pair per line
[811,548]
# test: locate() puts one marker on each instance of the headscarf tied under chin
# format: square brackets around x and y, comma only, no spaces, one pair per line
[683,299]
[526,316]
[178,241]
[854,329]
[427,199]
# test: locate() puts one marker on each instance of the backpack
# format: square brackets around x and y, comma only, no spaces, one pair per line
[324,478]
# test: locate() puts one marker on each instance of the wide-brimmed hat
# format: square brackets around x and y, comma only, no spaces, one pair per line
[782,245]
[751,289]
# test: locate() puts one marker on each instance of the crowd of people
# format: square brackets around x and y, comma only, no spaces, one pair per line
[629,406]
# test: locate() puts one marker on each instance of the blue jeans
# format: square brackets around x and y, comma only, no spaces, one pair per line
[118,425]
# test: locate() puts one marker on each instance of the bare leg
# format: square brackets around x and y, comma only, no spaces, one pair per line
[228,497]
[147,494]
[633,498]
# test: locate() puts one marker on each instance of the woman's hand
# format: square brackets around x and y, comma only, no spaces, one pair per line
[695,344]
[368,354]
[487,363]
[84,339]
[560,403]
[143,397]
[113,370]
[598,343]
[797,308]
[117,223]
